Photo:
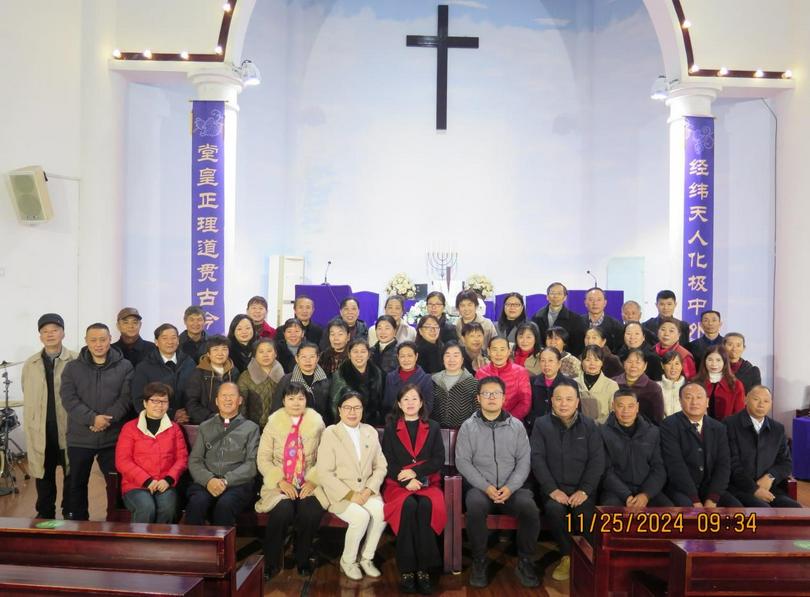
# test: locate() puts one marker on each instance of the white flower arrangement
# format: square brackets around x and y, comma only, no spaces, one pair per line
[402,285]
[416,312]
[482,285]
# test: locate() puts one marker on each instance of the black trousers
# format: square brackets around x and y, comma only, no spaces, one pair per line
[416,542]
[781,500]
[558,522]
[520,505]
[81,463]
[657,501]
[221,510]
[46,486]
[682,500]
[305,515]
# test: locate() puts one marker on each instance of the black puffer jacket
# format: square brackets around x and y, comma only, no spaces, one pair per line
[202,387]
[89,390]
[634,464]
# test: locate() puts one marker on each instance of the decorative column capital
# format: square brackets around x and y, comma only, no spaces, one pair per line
[218,83]
[691,100]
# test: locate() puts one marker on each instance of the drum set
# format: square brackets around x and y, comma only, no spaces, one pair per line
[11,454]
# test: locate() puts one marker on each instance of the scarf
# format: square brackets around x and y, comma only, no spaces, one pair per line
[521,355]
[294,461]
[406,375]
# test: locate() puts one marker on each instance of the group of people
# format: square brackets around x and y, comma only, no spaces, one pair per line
[557,413]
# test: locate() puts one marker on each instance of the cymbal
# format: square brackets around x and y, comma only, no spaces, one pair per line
[6,364]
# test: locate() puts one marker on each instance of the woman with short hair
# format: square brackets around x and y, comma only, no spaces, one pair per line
[569,364]
[455,390]
[408,371]
[384,352]
[436,304]
[151,456]
[359,374]
[290,493]
[429,344]
[611,365]
[634,337]
[596,390]
[467,304]
[258,384]
[650,397]
[395,307]
[338,335]
[351,468]
[292,335]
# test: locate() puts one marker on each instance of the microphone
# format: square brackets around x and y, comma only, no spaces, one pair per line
[595,282]
[326,273]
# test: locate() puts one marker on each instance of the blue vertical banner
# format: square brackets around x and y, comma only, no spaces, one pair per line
[208,212]
[698,220]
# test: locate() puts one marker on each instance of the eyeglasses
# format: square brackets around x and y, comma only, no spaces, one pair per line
[158,402]
[430,327]
[491,394]
[351,409]
[513,304]
[436,304]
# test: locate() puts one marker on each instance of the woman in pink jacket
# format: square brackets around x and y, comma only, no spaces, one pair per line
[150,455]
[518,399]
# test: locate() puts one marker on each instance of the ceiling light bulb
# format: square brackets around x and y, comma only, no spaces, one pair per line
[147,53]
[218,50]
[116,53]
[686,24]
[227,7]
[723,71]
[184,55]
[788,74]
[759,74]
[694,68]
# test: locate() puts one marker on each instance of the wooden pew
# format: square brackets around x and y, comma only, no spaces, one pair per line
[780,568]
[616,554]
[31,581]
[196,551]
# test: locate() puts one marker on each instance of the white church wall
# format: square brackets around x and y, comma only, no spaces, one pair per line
[41,125]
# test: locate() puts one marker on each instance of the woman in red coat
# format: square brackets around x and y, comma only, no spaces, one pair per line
[726,392]
[151,455]
[518,400]
[414,501]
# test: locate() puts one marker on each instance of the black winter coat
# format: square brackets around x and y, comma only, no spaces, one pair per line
[567,459]
[370,386]
[633,464]
[430,356]
[541,396]
[153,368]
[698,468]
[202,387]
[313,333]
[654,369]
[89,390]
[319,390]
[749,375]
[385,359]
[136,352]
[753,455]
[191,348]
[567,319]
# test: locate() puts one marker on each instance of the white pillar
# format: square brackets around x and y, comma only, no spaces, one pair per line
[221,83]
[684,100]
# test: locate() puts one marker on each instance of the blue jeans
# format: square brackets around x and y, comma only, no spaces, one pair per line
[151,507]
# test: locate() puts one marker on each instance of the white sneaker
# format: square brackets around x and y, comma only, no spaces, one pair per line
[352,570]
[369,568]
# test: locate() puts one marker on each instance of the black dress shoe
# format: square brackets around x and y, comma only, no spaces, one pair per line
[423,583]
[478,573]
[526,573]
[407,582]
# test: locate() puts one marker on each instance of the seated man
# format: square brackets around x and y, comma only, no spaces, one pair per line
[222,463]
[568,460]
[696,453]
[492,454]
[635,473]
[760,458]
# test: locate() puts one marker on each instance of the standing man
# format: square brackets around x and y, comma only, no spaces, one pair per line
[631,311]
[193,339]
[130,344]
[760,457]
[665,303]
[595,303]
[45,422]
[710,323]
[169,366]
[223,463]
[696,453]
[492,455]
[557,314]
[257,311]
[304,308]
[95,394]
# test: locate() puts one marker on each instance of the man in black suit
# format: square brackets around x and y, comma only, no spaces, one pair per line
[595,303]
[696,453]
[760,458]
[556,313]
[710,324]
[666,303]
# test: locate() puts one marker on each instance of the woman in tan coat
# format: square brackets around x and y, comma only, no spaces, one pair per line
[351,468]
[290,492]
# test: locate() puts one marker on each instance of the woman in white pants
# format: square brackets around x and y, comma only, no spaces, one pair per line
[351,468]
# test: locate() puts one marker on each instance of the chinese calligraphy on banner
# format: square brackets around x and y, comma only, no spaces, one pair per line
[698,222]
[207,212]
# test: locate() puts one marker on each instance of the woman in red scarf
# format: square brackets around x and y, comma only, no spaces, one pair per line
[414,501]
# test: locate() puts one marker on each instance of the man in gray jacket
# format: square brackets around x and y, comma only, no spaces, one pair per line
[492,454]
[95,394]
[222,463]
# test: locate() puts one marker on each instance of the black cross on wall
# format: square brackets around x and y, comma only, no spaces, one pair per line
[441,41]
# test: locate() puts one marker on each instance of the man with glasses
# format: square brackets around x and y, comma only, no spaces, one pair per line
[222,463]
[492,455]
[557,314]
